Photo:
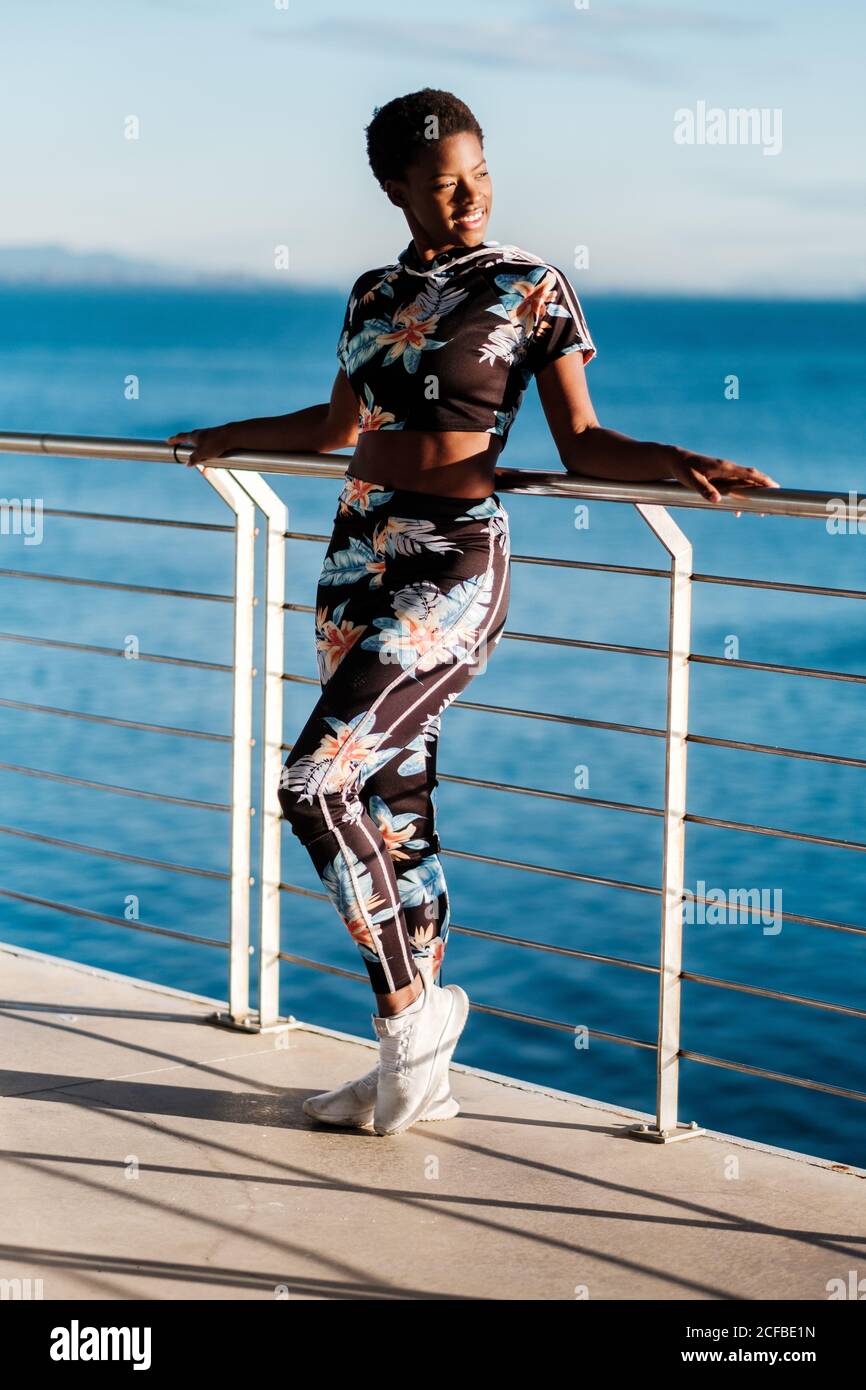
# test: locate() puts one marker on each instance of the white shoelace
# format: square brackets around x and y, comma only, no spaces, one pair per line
[392,1049]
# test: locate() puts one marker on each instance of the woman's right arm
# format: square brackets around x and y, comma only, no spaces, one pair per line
[317,429]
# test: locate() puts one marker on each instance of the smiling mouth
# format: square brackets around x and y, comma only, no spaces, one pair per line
[470,219]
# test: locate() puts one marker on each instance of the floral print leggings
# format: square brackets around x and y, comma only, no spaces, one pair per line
[412,596]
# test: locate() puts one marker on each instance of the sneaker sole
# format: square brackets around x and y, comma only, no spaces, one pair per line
[448,1041]
[442,1112]
[445,1110]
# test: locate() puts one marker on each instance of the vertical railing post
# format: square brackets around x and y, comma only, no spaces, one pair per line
[238,1014]
[679,548]
[270,832]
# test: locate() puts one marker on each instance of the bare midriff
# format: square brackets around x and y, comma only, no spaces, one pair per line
[453,463]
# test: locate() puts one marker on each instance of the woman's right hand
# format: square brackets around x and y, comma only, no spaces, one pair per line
[207,444]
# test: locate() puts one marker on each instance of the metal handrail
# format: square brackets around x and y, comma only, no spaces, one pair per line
[650,500]
[769,501]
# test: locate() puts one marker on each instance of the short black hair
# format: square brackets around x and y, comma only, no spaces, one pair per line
[402,128]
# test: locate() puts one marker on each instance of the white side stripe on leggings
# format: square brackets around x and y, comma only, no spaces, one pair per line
[403,675]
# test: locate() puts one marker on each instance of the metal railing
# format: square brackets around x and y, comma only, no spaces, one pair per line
[237,480]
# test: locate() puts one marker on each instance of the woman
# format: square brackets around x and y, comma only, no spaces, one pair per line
[436,352]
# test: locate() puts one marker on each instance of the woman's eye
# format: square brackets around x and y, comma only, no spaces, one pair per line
[441,187]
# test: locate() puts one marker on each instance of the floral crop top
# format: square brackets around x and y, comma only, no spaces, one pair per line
[453,343]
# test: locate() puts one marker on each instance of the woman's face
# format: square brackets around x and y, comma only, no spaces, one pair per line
[446,194]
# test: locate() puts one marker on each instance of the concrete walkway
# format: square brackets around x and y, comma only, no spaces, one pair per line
[149,1154]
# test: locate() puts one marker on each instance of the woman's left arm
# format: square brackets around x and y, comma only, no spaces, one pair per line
[587,447]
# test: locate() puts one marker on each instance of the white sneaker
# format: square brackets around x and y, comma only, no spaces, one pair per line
[415,1052]
[354,1103]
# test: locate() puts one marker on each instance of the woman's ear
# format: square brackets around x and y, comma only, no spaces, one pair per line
[395,191]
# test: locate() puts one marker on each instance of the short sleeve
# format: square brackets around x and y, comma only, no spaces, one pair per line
[343,340]
[561,327]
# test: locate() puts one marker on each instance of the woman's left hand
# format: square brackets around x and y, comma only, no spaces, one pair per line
[713,477]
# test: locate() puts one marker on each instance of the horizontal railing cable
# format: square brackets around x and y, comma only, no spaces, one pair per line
[138,520]
[193,802]
[503,939]
[510,1014]
[626,649]
[745,827]
[774,831]
[557,561]
[781,996]
[775,668]
[544,638]
[77,848]
[74,911]
[571,719]
[571,797]
[56,643]
[783,914]
[141,725]
[740,746]
[650,571]
[113,584]
[802,919]
[780,585]
[767,1075]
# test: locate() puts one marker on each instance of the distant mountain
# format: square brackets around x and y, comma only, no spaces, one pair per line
[58,265]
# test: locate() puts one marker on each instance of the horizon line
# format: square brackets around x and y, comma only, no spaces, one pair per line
[109,268]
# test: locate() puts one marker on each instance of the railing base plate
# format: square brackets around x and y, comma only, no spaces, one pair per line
[665,1136]
[245,1023]
[280,1025]
[249,1023]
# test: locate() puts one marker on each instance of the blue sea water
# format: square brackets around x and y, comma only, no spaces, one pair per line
[201,357]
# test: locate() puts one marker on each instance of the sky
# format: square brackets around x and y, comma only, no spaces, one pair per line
[251,117]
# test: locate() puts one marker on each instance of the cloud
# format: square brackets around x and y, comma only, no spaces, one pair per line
[676,17]
[504,44]
[820,197]
[549,38]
